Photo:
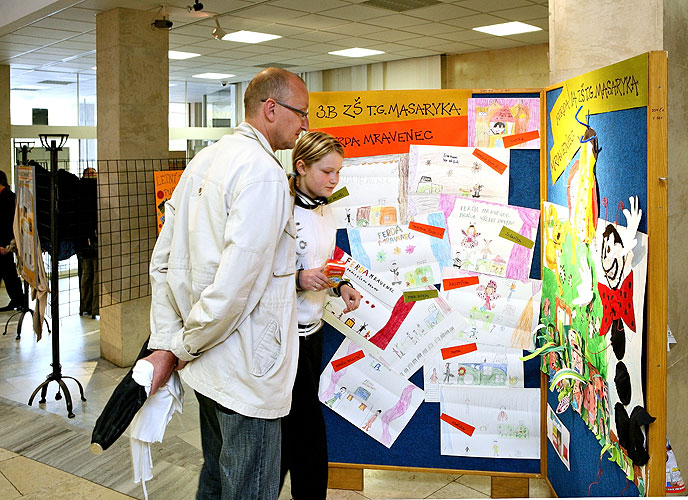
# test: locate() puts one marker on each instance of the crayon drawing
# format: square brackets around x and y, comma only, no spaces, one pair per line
[371,397]
[436,170]
[492,119]
[495,423]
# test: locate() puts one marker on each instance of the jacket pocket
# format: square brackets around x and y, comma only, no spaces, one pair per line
[285,257]
[267,350]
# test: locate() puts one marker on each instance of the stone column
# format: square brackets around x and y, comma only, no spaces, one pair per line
[5,134]
[133,97]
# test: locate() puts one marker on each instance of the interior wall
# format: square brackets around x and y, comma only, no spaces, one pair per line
[517,68]
[5,137]
[417,73]
[676,43]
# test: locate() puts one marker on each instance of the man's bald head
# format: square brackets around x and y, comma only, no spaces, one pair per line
[271,82]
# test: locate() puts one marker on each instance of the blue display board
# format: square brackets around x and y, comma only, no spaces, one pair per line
[621,171]
[418,446]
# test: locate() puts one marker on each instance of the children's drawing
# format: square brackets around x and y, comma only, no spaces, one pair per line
[491,119]
[400,334]
[490,238]
[373,185]
[487,367]
[597,290]
[498,311]
[403,257]
[436,170]
[371,397]
[559,436]
[495,423]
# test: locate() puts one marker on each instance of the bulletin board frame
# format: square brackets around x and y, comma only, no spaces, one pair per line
[654,176]
[347,474]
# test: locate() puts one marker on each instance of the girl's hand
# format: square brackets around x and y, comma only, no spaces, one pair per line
[351,298]
[313,279]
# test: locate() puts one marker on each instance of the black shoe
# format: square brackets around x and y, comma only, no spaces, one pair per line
[10,307]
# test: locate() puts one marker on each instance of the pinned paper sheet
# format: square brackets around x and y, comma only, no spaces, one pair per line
[452,283]
[516,139]
[507,422]
[559,436]
[416,295]
[490,161]
[458,424]
[341,363]
[504,122]
[458,350]
[437,232]
[338,195]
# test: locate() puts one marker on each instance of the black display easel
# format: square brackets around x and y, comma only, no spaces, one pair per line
[24,148]
[53,143]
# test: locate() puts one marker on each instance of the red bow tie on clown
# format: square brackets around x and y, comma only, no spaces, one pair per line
[617,304]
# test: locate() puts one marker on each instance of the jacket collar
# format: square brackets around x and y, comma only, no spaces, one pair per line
[247,130]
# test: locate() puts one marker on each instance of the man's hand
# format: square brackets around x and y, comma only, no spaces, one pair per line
[163,363]
[351,298]
[313,279]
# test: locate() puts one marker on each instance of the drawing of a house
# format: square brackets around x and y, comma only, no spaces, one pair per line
[425,186]
[498,266]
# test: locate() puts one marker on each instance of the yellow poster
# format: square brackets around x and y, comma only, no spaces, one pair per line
[165,182]
[620,86]
[337,109]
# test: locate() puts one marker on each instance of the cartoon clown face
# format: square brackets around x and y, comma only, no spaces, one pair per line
[613,257]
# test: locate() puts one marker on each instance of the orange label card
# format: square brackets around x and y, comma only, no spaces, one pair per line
[437,232]
[458,350]
[451,283]
[491,162]
[516,139]
[395,137]
[341,363]
[462,426]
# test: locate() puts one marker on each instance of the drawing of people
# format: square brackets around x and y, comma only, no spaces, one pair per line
[590,405]
[447,373]
[458,259]
[486,248]
[576,351]
[495,448]
[336,397]
[488,293]
[362,328]
[502,416]
[433,376]
[348,218]
[366,426]
[476,190]
[394,269]
[470,239]
[577,396]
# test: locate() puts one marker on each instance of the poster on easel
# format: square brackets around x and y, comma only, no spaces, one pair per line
[165,182]
[27,239]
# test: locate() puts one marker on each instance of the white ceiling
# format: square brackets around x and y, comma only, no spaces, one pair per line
[60,46]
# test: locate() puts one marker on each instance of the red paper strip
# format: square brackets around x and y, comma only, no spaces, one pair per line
[451,283]
[341,363]
[516,139]
[462,426]
[491,162]
[458,350]
[437,232]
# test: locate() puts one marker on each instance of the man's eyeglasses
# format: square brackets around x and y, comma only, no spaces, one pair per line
[300,112]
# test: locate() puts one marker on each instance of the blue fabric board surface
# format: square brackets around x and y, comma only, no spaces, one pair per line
[418,446]
[621,171]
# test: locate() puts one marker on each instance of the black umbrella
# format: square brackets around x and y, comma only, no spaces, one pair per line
[125,401]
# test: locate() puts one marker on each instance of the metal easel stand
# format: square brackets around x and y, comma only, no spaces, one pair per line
[50,142]
[25,308]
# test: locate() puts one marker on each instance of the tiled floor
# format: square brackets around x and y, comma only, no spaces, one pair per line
[44,455]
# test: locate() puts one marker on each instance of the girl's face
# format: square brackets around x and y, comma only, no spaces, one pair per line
[321,177]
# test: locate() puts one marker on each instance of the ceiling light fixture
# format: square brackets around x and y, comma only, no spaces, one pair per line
[218,32]
[249,37]
[176,54]
[212,76]
[356,52]
[195,7]
[506,29]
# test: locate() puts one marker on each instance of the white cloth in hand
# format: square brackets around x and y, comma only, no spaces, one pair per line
[148,425]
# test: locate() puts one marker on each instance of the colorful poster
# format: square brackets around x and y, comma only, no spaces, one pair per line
[592,306]
[620,86]
[499,311]
[467,364]
[489,237]
[402,256]
[495,423]
[504,122]
[372,185]
[400,334]
[29,247]
[371,397]
[559,436]
[165,182]
[462,171]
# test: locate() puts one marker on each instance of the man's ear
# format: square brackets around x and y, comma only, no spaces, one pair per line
[269,110]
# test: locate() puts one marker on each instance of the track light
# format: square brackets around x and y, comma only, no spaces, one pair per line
[195,7]
[218,32]
[163,23]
